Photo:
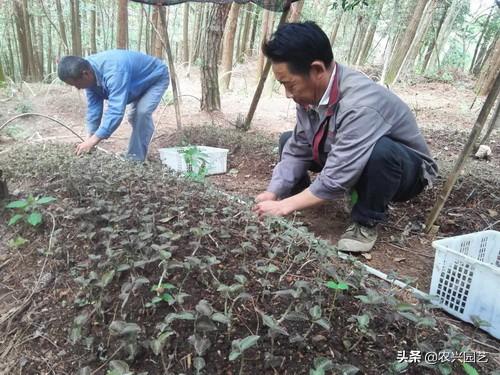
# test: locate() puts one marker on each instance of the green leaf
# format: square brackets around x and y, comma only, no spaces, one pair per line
[167,297]
[204,307]
[199,363]
[158,344]
[18,242]
[106,278]
[185,315]
[34,218]
[201,344]
[445,369]
[45,200]
[121,328]
[315,312]
[363,320]
[323,323]
[469,370]
[241,279]
[248,342]
[14,219]
[234,354]
[221,318]
[23,203]
[120,367]
[338,286]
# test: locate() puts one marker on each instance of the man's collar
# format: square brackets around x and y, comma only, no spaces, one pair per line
[325,99]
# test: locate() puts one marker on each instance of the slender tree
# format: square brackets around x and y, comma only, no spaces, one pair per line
[228,46]
[76,28]
[210,95]
[185,34]
[402,47]
[62,26]
[122,33]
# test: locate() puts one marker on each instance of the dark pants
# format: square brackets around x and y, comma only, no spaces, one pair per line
[393,174]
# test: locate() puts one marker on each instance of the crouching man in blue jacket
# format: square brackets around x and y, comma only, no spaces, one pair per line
[121,77]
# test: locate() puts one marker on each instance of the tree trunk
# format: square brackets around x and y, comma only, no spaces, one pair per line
[263,36]
[2,76]
[444,33]
[122,32]
[185,34]
[370,34]
[295,11]
[490,69]
[422,30]
[141,26]
[93,25]
[156,48]
[62,26]
[254,31]
[147,31]
[246,31]
[358,44]
[457,168]
[228,46]
[76,28]
[262,80]
[28,71]
[483,31]
[432,44]
[210,96]
[404,44]
[390,40]
[40,46]
[336,24]
[494,124]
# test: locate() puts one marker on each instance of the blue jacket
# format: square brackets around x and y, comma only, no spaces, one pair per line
[122,77]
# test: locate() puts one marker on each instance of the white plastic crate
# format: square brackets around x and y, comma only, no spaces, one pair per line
[216,159]
[466,277]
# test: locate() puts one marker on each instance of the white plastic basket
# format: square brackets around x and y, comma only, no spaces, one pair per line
[466,277]
[215,158]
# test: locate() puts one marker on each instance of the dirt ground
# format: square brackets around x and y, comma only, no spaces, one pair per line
[443,111]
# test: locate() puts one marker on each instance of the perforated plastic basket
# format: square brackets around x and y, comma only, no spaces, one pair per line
[215,158]
[466,277]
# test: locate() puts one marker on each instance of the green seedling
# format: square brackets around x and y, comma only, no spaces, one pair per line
[27,210]
[336,286]
[161,294]
[239,346]
[196,163]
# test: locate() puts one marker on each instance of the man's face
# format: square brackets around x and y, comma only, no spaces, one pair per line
[304,90]
[84,82]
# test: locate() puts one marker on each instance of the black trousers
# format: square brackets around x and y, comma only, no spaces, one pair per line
[393,173]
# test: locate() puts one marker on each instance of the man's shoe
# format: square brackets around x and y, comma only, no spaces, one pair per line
[357,239]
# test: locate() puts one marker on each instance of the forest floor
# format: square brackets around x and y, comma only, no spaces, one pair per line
[444,112]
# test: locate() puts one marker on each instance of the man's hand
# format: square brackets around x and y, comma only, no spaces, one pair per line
[286,206]
[265,196]
[272,208]
[87,146]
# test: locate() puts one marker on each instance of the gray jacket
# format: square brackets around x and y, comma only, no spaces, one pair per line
[363,112]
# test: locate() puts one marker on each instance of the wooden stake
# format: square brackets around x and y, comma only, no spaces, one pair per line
[265,72]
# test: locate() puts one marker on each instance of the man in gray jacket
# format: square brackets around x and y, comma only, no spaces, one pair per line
[355,133]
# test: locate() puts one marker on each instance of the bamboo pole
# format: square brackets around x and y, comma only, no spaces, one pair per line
[457,168]
[265,72]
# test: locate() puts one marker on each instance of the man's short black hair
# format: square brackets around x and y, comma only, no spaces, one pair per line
[298,45]
[72,67]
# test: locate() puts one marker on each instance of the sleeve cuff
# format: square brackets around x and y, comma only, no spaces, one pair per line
[102,133]
[279,189]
